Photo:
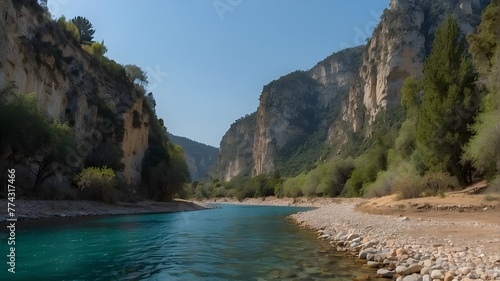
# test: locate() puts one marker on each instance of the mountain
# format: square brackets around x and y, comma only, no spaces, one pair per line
[333,108]
[111,122]
[199,157]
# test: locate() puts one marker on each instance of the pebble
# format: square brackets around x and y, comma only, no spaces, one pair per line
[377,240]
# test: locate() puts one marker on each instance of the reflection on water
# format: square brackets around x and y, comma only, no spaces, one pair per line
[229,243]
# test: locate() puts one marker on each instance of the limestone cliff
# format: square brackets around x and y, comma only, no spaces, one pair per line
[303,117]
[71,86]
[235,152]
[286,116]
[291,110]
[396,50]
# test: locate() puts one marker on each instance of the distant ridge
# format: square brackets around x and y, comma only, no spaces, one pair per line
[200,157]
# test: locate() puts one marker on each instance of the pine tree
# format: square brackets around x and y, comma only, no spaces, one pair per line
[86,29]
[449,102]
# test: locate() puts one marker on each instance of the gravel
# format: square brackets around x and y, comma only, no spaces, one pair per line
[401,248]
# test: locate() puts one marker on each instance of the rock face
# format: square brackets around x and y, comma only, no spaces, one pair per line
[343,95]
[235,151]
[290,111]
[71,86]
[397,49]
[285,117]
[199,157]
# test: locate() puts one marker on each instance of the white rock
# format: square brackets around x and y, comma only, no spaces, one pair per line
[437,274]
[384,273]
[402,270]
[424,270]
[413,277]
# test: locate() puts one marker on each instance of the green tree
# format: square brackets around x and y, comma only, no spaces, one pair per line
[85,28]
[52,153]
[136,75]
[97,49]
[449,102]
[483,43]
[483,150]
[23,130]
[410,93]
[96,182]
[70,27]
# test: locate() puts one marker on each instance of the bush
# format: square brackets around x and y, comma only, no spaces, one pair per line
[437,183]
[69,27]
[97,183]
[382,186]
[432,184]
[202,191]
[408,186]
[231,193]
[292,187]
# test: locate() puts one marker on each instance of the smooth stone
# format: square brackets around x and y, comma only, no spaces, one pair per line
[402,270]
[449,276]
[427,263]
[473,275]
[352,236]
[424,270]
[413,277]
[414,268]
[372,264]
[437,274]
[384,273]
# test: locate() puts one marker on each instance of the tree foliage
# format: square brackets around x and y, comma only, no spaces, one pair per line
[85,29]
[484,42]
[97,49]
[96,182]
[483,150]
[449,102]
[70,27]
[136,75]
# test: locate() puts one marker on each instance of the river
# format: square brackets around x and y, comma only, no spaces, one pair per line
[232,242]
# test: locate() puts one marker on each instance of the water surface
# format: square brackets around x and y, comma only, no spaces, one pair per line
[229,243]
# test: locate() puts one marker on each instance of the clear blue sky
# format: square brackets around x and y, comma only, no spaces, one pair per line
[207,60]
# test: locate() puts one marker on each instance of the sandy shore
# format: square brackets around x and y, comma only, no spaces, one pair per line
[447,240]
[36,209]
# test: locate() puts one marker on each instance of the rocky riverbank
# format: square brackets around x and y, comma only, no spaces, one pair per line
[36,209]
[408,249]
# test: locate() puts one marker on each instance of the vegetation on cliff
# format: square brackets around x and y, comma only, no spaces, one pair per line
[444,134]
[80,153]
[199,157]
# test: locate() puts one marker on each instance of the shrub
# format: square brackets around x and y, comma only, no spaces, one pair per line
[437,183]
[97,183]
[408,186]
[432,184]
[97,49]
[69,27]
[382,186]
[292,187]
[231,193]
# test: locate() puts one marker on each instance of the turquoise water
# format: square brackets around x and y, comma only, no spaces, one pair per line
[229,243]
